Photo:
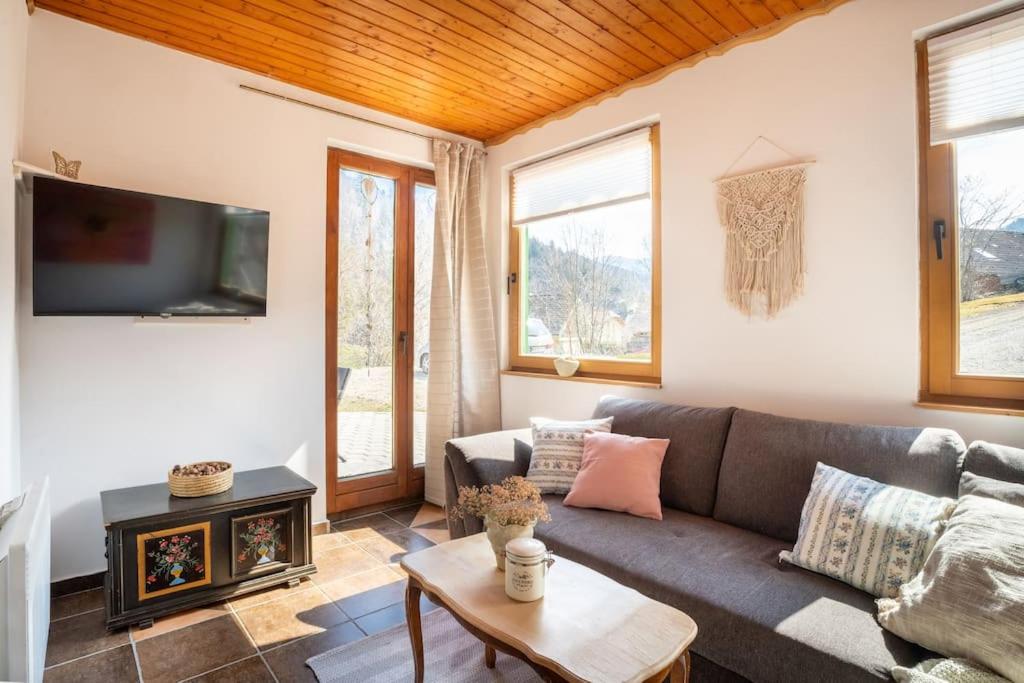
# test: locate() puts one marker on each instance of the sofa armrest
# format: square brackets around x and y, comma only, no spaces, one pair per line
[477,461]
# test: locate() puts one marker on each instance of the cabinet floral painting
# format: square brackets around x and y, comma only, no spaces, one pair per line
[172,560]
[261,542]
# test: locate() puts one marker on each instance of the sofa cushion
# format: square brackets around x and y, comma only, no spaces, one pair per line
[995,462]
[689,474]
[972,484]
[769,462]
[482,459]
[761,621]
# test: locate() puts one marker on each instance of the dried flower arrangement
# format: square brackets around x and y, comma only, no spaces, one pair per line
[513,502]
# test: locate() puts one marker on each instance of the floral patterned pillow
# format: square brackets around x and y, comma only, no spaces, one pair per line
[558,451]
[872,536]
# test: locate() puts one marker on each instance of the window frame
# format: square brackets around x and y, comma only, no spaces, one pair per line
[591,369]
[941,384]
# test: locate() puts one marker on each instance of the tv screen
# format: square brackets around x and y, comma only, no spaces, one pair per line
[101,251]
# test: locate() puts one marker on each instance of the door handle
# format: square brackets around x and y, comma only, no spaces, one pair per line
[403,341]
[939,234]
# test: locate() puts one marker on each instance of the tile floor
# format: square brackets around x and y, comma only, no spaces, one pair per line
[266,636]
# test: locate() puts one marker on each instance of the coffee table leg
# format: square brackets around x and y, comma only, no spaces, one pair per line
[489,656]
[681,669]
[412,618]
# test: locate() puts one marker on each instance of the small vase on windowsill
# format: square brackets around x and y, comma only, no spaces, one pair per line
[566,366]
[509,510]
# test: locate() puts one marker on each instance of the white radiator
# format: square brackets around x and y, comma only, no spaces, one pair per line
[25,587]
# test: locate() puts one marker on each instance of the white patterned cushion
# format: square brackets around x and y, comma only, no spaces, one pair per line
[872,536]
[558,450]
[946,671]
[968,599]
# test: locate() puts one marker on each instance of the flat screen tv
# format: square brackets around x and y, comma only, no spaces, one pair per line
[106,252]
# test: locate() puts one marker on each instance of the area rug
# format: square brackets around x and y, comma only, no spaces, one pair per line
[450,654]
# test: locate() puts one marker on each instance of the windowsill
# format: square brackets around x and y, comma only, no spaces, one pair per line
[541,374]
[962,404]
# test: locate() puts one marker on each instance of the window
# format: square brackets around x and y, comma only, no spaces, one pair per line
[585,260]
[971,91]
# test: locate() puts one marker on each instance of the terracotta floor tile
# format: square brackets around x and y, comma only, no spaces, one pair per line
[76,603]
[343,561]
[382,620]
[251,670]
[193,650]
[81,635]
[112,665]
[367,592]
[302,614]
[289,662]
[328,541]
[368,527]
[269,594]
[170,623]
[391,548]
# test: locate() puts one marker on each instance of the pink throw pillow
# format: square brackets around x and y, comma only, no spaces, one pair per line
[620,473]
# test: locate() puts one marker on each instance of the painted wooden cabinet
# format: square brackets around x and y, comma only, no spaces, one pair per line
[166,554]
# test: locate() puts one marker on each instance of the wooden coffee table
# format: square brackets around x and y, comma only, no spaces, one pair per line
[586,628]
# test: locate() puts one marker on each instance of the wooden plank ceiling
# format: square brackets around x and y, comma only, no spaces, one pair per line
[480,68]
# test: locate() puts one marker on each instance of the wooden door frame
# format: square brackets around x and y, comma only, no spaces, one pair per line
[405,480]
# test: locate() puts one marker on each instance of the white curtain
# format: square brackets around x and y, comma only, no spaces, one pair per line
[462,390]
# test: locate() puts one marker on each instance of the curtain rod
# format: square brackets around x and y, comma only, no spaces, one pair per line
[336,112]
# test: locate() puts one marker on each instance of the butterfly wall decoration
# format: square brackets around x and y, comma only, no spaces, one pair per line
[68,169]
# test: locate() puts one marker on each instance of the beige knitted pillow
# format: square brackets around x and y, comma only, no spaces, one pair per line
[968,600]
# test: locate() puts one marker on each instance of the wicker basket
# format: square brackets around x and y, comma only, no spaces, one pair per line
[206,485]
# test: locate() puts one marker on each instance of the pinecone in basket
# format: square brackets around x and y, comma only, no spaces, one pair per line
[200,469]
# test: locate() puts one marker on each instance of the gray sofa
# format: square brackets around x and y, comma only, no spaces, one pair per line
[732,487]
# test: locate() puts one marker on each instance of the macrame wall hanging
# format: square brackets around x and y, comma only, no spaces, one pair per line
[762,213]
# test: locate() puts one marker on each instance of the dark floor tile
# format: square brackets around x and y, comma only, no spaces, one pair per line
[344,561]
[430,515]
[299,615]
[382,620]
[81,635]
[251,670]
[404,515]
[76,603]
[289,661]
[112,665]
[368,527]
[193,650]
[367,592]
[391,548]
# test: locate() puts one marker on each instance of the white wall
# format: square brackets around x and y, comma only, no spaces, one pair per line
[107,403]
[13,38]
[840,88]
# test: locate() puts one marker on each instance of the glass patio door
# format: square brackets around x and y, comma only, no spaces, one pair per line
[379,258]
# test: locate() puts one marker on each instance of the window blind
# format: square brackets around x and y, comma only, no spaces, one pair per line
[976,79]
[609,172]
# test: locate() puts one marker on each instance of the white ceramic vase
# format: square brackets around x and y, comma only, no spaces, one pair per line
[500,534]
[566,366]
